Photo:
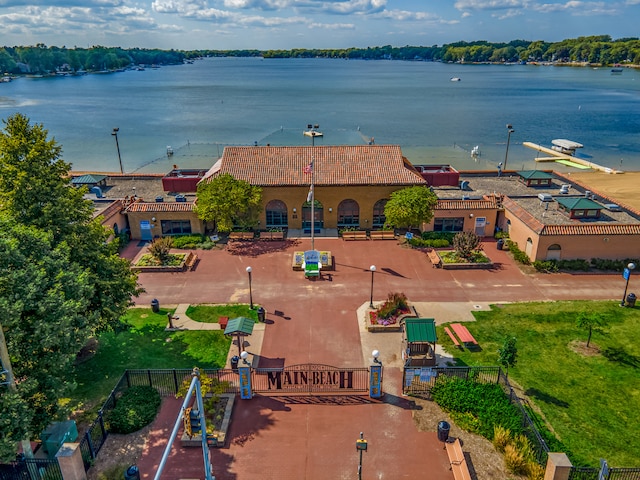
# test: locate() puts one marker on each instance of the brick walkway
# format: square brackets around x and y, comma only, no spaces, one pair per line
[315,321]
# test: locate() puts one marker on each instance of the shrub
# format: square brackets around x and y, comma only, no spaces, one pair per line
[429,243]
[136,408]
[546,266]
[160,248]
[466,244]
[501,438]
[501,234]
[518,255]
[514,460]
[535,471]
[576,265]
[395,302]
[448,236]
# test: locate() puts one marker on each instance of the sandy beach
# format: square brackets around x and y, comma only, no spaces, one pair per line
[622,187]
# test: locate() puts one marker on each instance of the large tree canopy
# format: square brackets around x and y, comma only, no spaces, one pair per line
[60,281]
[410,207]
[228,202]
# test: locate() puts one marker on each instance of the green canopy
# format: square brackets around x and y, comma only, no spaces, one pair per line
[239,326]
[420,330]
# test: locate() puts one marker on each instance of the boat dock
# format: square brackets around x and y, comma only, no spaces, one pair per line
[557,156]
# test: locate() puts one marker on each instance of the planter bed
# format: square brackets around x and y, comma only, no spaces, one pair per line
[219,435]
[394,327]
[187,260]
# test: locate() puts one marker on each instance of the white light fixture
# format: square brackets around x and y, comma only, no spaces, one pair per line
[153,219]
[375,354]
[294,210]
[244,355]
[249,269]
[330,209]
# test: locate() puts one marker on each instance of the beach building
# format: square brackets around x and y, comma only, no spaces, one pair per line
[544,212]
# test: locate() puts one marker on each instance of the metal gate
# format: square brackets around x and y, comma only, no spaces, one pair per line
[310,379]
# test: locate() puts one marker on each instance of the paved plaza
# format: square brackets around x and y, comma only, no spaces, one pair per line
[321,321]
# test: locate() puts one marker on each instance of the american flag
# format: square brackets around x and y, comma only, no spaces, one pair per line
[308,168]
[310,194]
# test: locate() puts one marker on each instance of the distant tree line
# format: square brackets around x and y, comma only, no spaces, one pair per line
[600,50]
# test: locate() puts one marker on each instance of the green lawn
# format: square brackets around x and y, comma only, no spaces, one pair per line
[211,313]
[590,402]
[145,344]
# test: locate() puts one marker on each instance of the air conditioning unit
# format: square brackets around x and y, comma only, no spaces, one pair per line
[545,197]
[612,207]
[181,198]
[564,189]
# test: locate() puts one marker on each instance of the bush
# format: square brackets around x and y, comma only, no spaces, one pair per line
[448,236]
[518,255]
[576,265]
[501,438]
[395,302]
[484,401]
[514,460]
[136,408]
[546,266]
[429,243]
[193,241]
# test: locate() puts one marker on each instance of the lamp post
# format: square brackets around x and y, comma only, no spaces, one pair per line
[361,446]
[244,355]
[626,275]
[372,268]
[250,292]
[115,134]
[313,133]
[506,155]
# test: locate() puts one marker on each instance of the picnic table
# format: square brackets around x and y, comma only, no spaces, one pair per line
[463,334]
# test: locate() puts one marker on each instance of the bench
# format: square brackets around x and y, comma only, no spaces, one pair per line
[457,460]
[271,235]
[241,236]
[190,261]
[223,321]
[452,336]
[463,333]
[435,259]
[356,235]
[382,235]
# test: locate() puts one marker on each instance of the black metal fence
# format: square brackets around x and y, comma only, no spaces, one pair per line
[31,469]
[590,473]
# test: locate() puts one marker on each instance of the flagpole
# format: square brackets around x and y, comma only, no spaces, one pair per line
[312,129]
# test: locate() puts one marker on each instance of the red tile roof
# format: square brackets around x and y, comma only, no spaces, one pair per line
[488,203]
[591,229]
[160,207]
[333,165]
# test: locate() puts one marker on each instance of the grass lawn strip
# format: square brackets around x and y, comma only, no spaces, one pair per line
[590,402]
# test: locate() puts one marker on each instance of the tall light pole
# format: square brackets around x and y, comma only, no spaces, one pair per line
[115,134]
[313,132]
[250,292]
[626,275]
[506,155]
[361,446]
[373,271]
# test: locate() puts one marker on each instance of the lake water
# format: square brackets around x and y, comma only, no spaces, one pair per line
[201,107]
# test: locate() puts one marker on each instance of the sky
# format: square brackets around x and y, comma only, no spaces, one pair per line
[288,24]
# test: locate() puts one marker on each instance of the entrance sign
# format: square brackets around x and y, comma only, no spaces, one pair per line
[626,273]
[310,378]
[375,381]
[245,383]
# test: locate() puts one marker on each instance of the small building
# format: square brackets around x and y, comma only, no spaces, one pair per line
[419,342]
[439,175]
[182,180]
[580,207]
[535,178]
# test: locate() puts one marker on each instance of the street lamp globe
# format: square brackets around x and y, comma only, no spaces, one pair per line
[631,266]
[372,268]
[249,269]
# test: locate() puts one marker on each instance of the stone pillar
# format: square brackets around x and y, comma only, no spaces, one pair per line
[558,467]
[70,461]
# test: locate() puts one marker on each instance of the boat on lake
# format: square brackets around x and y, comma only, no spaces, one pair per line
[312,133]
[568,147]
[455,79]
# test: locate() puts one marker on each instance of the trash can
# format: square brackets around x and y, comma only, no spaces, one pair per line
[500,244]
[261,314]
[443,431]
[132,473]
[234,362]
[155,305]
[631,300]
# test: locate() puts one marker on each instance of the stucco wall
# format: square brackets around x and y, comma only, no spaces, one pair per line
[156,230]
[469,219]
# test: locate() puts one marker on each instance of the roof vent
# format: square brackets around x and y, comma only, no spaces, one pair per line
[159,199]
[181,198]
[587,194]
[564,189]
[464,185]
[545,197]
[612,207]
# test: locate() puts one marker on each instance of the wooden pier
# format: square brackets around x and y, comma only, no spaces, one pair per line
[555,156]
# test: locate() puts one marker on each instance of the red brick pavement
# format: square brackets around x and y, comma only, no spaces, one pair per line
[314,321]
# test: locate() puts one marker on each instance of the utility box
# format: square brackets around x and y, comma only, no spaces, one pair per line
[56,434]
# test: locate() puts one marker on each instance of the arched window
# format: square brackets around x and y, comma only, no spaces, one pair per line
[276,213]
[555,246]
[378,213]
[554,252]
[348,214]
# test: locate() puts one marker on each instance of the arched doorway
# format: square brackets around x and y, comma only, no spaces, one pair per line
[348,214]
[528,247]
[318,213]
[276,214]
[554,252]
[378,214]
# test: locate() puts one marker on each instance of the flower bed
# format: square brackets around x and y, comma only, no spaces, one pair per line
[450,261]
[388,317]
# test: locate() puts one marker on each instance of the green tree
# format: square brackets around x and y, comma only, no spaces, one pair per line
[410,207]
[591,321]
[228,202]
[508,353]
[60,281]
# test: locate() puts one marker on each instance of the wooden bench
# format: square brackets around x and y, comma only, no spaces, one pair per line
[357,235]
[190,261]
[435,259]
[382,235]
[458,462]
[271,235]
[241,236]
[452,336]
[223,321]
